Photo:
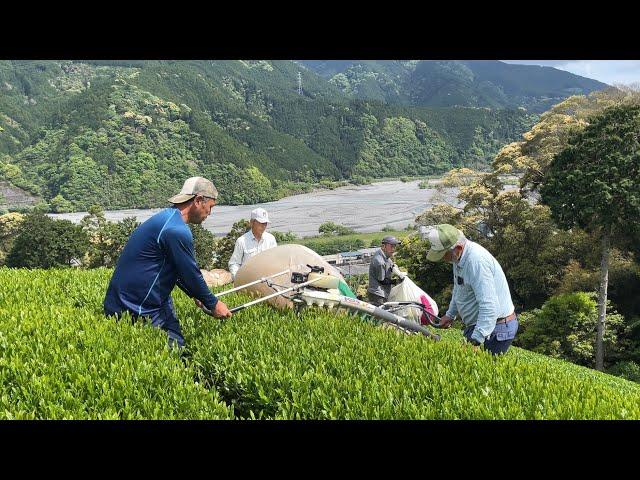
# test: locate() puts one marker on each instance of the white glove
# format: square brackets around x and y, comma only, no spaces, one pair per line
[398,273]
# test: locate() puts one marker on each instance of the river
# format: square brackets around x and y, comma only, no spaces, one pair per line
[365,208]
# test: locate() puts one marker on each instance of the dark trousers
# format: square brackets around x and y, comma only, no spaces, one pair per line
[165,318]
[374,299]
[500,339]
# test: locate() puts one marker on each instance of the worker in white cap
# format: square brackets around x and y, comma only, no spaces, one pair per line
[254,241]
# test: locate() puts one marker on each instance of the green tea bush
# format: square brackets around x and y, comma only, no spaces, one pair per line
[318,365]
[60,358]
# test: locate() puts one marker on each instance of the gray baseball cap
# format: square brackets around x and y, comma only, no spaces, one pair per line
[195,186]
[391,240]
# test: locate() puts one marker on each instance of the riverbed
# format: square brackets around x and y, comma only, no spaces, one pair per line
[365,208]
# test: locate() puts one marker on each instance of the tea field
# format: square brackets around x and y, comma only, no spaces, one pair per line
[60,358]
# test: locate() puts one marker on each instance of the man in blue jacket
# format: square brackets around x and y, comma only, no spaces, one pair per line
[481,294]
[159,255]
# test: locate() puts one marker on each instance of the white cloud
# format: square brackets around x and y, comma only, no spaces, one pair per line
[607,71]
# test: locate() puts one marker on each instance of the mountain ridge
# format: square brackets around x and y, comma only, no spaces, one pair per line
[471,83]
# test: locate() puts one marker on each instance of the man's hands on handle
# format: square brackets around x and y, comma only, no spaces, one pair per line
[220,310]
[445,321]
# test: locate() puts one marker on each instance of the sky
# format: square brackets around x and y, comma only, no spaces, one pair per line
[607,71]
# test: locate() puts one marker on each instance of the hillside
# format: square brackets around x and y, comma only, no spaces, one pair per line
[62,359]
[473,83]
[123,133]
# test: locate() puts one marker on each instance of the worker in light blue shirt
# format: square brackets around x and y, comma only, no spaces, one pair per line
[481,294]
[158,256]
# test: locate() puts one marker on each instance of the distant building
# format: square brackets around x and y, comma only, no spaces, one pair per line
[351,263]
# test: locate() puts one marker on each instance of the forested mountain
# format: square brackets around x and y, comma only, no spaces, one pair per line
[477,83]
[124,134]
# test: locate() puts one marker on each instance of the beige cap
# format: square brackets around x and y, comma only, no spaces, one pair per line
[195,186]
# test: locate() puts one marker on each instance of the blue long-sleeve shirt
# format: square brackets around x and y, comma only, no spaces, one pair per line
[158,255]
[480,291]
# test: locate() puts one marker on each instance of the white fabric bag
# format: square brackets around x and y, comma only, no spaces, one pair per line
[408,291]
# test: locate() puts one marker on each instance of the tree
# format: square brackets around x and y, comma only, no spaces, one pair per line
[61,205]
[10,224]
[107,239]
[594,184]
[47,243]
[282,237]
[224,246]
[564,327]
[551,134]
[204,245]
[334,229]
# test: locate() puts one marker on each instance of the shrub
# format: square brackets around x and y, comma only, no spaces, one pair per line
[319,365]
[282,237]
[46,243]
[225,245]
[333,246]
[626,369]
[565,327]
[334,229]
[60,358]
[204,245]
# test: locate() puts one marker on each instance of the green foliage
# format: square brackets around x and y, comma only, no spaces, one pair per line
[107,239]
[530,248]
[358,284]
[60,358]
[225,245]
[10,225]
[319,365]
[204,245]
[599,168]
[627,369]
[398,145]
[282,238]
[124,134]
[361,180]
[242,185]
[334,245]
[533,154]
[565,328]
[334,229]
[624,279]
[60,205]
[46,243]
[445,83]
